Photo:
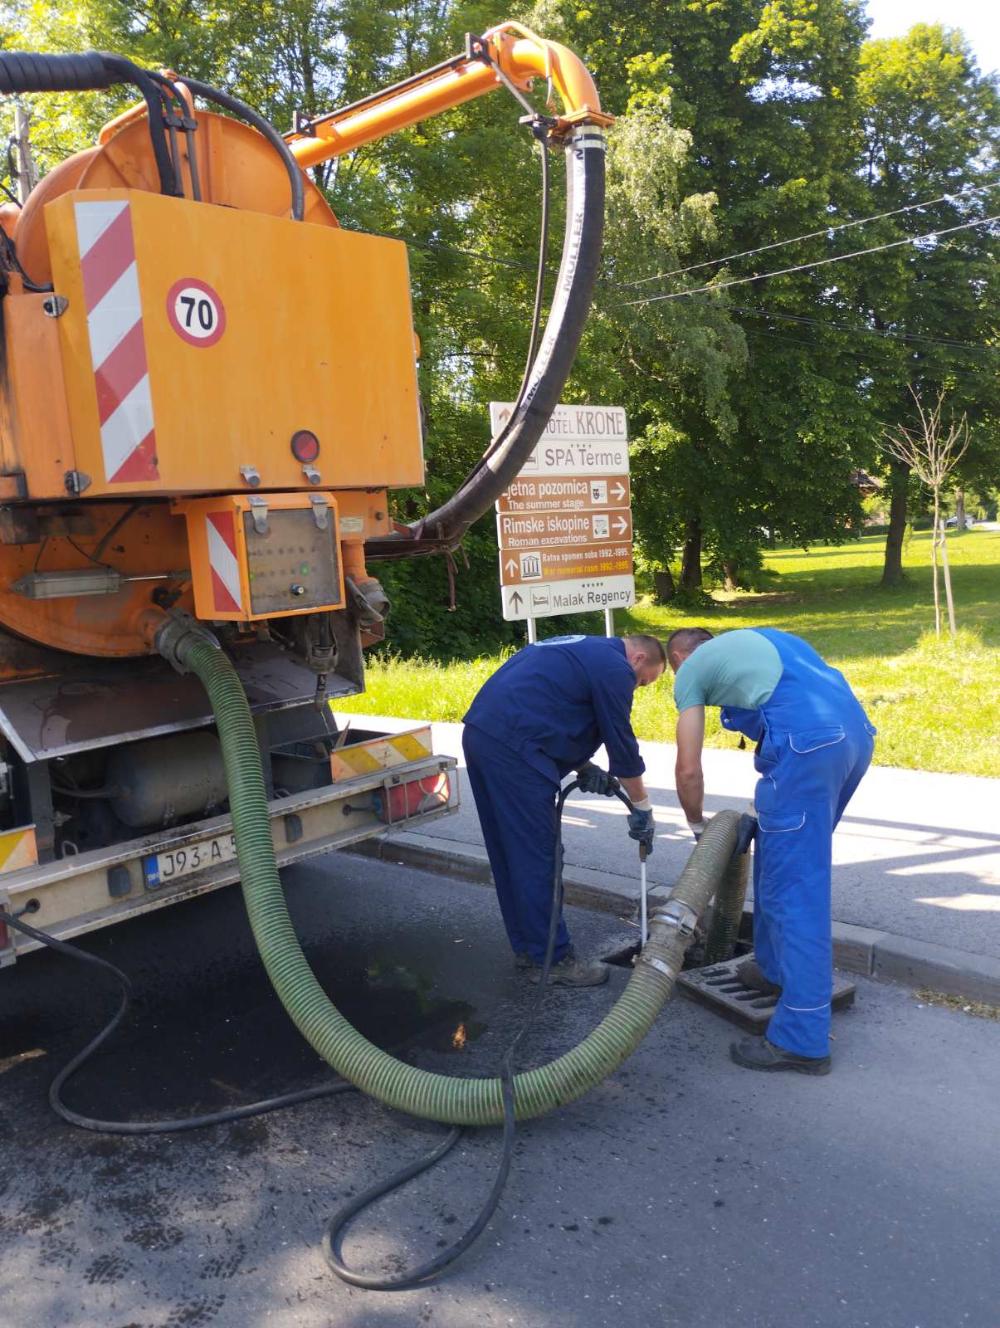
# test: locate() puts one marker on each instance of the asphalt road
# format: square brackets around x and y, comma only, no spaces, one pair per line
[684,1191]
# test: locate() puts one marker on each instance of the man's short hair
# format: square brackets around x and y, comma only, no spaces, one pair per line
[652,645]
[685,639]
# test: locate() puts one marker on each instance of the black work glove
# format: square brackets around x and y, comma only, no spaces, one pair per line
[592,779]
[641,827]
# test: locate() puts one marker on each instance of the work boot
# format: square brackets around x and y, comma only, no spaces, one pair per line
[523,961]
[751,974]
[573,972]
[756,1053]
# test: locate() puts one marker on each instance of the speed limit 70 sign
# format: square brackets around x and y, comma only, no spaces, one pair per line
[196,311]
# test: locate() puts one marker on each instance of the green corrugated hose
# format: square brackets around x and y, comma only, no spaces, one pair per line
[438,1097]
[724,931]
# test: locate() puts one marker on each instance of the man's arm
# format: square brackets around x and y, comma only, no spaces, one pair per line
[688,775]
[612,697]
[635,788]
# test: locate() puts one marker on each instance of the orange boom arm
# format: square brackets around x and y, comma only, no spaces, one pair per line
[505,52]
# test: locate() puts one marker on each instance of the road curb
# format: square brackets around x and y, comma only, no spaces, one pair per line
[864,950]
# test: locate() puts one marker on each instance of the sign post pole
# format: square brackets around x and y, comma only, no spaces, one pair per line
[609,622]
[532,631]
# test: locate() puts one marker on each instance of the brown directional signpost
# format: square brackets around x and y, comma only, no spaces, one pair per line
[564,526]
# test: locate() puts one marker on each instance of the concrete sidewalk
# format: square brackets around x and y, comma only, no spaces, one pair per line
[916,876]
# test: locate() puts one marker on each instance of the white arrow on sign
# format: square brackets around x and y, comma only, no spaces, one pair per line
[621,524]
[619,491]
[511,566]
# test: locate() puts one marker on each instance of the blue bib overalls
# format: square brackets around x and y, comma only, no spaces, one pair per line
[814,744]
[538,718]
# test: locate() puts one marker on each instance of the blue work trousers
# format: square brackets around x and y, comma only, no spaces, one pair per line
[517,812]
[806,782]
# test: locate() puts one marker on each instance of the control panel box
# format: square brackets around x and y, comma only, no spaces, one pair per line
[264,556]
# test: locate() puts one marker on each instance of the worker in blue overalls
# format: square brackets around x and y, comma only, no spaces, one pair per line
[539,718]
[814,744]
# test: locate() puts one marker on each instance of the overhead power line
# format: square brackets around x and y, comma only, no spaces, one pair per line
[905,337]
[817,262]
[969,375]
[810,235]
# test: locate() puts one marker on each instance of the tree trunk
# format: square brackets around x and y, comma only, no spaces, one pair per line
[892,568]
[663,584]
[27,176]
[947,582]
[960,510]
[691,558]
[934,565]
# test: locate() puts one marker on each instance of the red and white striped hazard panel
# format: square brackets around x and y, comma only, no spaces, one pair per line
[226,595]
[117,342]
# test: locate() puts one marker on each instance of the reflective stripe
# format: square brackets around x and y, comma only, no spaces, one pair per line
[806,1009]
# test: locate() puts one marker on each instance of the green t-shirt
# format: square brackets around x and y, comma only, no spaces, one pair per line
[740,668]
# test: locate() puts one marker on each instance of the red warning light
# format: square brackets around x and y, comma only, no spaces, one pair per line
[305,446]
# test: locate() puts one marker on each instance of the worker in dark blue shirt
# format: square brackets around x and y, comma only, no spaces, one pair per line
[541,717]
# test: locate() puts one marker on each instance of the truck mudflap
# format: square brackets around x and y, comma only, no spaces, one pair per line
[81,892]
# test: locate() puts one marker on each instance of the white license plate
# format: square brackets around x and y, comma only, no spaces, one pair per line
[161,869]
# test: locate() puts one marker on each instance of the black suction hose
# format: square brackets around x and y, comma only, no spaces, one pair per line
[445,526]
[91,71]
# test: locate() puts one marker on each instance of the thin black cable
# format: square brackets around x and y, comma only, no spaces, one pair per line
[236,107]
[536,318]
[173,117]
[13,174]
[905,337]
[539,127]
[713,287]
[9,258]
[543,244]
[67,791]
[113,530]
[813,235]
[144,1127]
[440,247]
[968,375]
[127,72]
[333,1234]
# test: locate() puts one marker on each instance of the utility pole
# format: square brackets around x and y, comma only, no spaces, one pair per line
[26,176]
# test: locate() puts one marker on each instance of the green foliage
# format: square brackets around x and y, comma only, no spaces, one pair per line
[741,123]
[936,703]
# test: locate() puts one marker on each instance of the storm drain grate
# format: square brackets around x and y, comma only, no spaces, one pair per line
[721,990]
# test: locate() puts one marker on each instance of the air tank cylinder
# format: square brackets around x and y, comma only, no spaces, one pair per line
[159,782]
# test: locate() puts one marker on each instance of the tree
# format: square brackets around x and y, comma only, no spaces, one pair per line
[931,126]
[744,423]
[932,451]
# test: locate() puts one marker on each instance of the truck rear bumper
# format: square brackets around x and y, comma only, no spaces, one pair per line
[79,893]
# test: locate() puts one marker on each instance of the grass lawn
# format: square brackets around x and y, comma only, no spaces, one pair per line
[936,704]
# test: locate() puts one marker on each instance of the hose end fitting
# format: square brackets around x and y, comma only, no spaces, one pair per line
[176,635]
[676,914]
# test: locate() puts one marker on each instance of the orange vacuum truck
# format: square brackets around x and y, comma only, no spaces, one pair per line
[208,389]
